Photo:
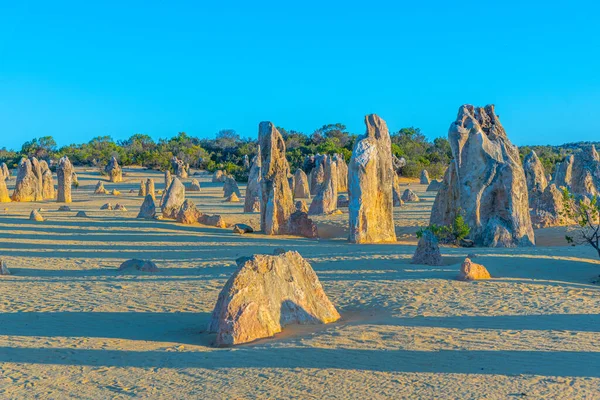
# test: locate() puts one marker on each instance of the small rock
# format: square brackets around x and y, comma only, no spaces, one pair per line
[469,271]
[242,228]
[4,268]
[107,206]
[36,216]
[64,208]
[233,198]
[409,196]
[138,265]
[81,214]
[120,207]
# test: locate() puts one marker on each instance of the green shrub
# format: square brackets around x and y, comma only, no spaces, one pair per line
[452,234]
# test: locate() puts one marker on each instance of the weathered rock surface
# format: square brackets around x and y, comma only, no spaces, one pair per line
[342,172]
[485,182]
[230,186]
[325,201]
[100,188]
[142,190]
[64,174]
[535,176]
[277,202]
[317,175]
[585,178]
[47,185]
[136,265]
[409,196]
[194,186]
[370,181]
[470,271]
[424,180]
[4,171]
[212,220]
[547,209]
[302,225]
[148,209]
[4,196]
[301,189]
[266,293]
[107,206]
[188,213]
[253,189]
[168,179]
[36,216]
[563,172]
[114,171]
[150,190]
[27,187]
[428,250]
[434,186]
[173,199]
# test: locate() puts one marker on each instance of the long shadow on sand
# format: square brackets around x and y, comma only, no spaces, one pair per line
[550,363]
[158,327]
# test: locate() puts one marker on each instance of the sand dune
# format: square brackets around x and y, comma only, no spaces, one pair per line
[70,326]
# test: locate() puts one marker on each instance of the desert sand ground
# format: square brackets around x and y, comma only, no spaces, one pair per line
[70,326]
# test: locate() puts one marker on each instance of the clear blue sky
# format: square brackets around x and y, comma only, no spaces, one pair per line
[79,69]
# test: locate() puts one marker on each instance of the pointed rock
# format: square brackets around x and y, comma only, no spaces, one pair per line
[27,187]
[424,177]
[36,216]
[325,202]
[64,174]
[114,171]
[301,189]
[428,250]
[409,196]
[370,181]
[194,186]
[485,182]
[148,209]
[230,186]
[253,189]
[173,199]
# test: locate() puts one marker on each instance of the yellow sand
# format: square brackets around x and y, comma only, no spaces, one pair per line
[70,326]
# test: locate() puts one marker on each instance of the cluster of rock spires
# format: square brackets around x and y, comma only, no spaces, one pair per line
[325,200]
[114,171]
[485,182]
[35,183]
[277,211]
[253,189]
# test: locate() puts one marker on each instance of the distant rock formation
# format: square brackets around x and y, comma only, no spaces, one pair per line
[194,186]
[100,188]
[173,199]
[342,172]
[563,172]
[535,176]
[485,182]
[150,190]
[547,209]
[396,192]
[266,293]
[4,267]
[142,190]
[246,162]
[428,250]
[107,206]
[148,209]
[409,196]
[64,174]
[114,171]
[188,213]
[277,203]
[36,216]
[4,196]
[218,176]
[168,179]
[232,198]
[585,178]
[138,265]
[301,188]
[317,175]
[325,200]
[470,271]
[370,179]
[180,167]
[230,186]
[424,180]
[4,172]
[253,189]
